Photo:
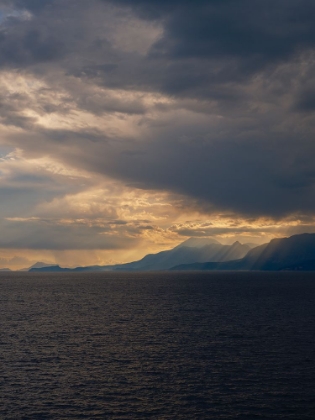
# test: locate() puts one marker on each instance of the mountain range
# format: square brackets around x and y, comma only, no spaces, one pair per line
[191,251]
[293,253]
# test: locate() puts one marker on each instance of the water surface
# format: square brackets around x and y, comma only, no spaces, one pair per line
[157,346]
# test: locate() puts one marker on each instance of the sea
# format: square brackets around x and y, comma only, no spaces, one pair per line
[164,345]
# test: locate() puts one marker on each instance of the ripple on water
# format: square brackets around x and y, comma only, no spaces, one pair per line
[157,345]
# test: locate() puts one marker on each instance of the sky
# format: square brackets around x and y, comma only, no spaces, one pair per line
[127,126]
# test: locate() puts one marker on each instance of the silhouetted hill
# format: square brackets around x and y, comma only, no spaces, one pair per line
[282,254]
[183,254]
[40,265]
[50,268]
[294,253]
[36,265]
[200,250]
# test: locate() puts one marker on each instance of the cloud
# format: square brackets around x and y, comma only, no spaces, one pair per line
[47,206]
[206,108]
[306,101]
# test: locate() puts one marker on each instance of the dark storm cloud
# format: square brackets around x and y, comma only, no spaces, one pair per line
[248,34]
[250,178]
[22,45]
[54,32]
[208,49]
[263,30]
[266,174]
[306,101]
[205,44]
[33,5]
[247,64]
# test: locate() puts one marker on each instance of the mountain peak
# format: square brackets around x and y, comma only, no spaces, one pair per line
[198,242]
[40,265]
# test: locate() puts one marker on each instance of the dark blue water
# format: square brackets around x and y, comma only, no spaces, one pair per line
[157,346]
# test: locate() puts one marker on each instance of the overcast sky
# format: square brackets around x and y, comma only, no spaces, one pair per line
[129,125]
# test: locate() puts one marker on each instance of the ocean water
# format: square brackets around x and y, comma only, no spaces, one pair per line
[157,346]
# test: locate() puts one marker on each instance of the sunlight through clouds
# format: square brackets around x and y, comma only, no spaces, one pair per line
[126,127]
